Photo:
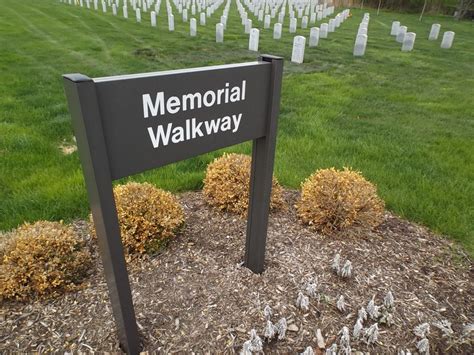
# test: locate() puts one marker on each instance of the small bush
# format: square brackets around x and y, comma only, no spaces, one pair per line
[334,200]
[42,259]
[226,185]
[149,217]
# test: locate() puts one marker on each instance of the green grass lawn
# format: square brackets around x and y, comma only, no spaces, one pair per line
[404,119]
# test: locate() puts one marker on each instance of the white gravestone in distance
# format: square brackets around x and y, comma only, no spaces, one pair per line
[219,33]
[395,28]
[171,22]
[153,18]
[312,18]
[401,34]
[138,15]
[104,7]
[408,42]
[193,27]
[281,17]
[314,37]
[114,9]
[185,15]
[202,19]
[224,21]
[248,26]
[448,38]
[297,55]
[332,25]
[125,12]
[360,45]
[293,24]
[253,39]
[323,30]
[434,33]
[266,23]
[304,22]
[277,31]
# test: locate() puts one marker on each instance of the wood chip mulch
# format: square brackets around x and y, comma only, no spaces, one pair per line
[195,296]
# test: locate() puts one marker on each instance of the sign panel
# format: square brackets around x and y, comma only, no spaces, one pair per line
[128,124]
[155,119]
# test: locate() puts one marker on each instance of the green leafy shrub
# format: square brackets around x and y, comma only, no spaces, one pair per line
[42,259]
[148,216]
[226,185]
[333,200]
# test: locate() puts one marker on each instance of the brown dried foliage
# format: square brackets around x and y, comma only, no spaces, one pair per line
[226,185]
[42,259]
[333,200]
[149,217]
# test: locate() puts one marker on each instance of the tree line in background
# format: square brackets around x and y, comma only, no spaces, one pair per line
[460,9]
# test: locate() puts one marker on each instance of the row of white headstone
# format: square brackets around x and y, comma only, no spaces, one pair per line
[206,8]
[299,42]
[361,39]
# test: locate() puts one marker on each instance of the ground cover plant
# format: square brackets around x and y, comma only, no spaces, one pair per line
[403,119]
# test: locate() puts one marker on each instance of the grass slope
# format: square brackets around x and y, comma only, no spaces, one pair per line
[404,119]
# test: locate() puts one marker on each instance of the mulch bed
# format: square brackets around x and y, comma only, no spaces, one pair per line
[196,295]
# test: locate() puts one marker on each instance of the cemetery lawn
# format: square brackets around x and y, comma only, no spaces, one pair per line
[405,120]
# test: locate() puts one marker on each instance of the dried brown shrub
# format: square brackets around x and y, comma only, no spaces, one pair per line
[42,259]
[333,200]
[226,185]
[149,217]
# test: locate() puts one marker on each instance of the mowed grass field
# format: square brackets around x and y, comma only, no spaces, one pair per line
[404,119]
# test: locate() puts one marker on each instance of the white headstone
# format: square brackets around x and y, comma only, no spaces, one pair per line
[293,24]
[185,15]
[304,22]
[253,39]
[104,6]
[362,31]
[260,15]
[332,25]
[202,19]
[434,33]
[114,9]
[401,34]
[125,12]
[297,55]
[219,33]
[323,30]
[312,18]
[138,15]
[395,28]
[277,31]
[266,23]
[224,21]
[360,45]
[153,18]
[96,5]
[448,38]
[408,42]
[171,22]
[193,27]
[314,37]
[281,17]
[248,26]
[319,16]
